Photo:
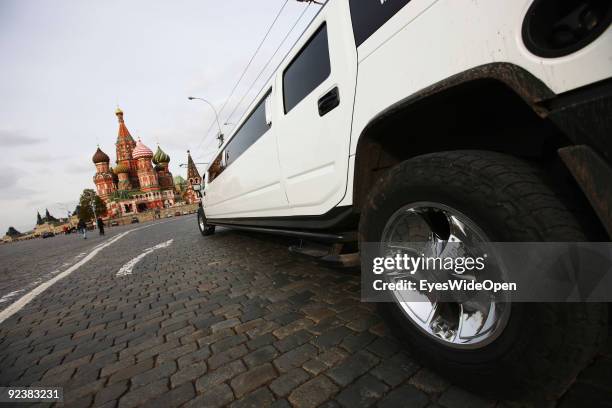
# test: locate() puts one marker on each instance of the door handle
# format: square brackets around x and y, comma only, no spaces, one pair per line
[329,101]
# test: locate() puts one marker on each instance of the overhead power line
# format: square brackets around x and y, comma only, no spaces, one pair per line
[247,67]
[267,63]
[261,72]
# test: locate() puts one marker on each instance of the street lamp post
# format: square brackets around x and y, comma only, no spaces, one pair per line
[185,165]
[220,135]
[93,207]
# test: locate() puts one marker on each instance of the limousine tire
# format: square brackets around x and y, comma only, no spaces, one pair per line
[537,349]
[203,226]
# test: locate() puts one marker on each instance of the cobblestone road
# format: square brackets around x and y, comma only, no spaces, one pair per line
[26,264]
[231,319]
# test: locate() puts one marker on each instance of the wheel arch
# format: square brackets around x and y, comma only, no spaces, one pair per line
[494,107]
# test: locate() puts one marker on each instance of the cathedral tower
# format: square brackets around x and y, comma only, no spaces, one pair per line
[125,147]
[147,177]
[133,186]
[123,174]
[161,161]
[193,176]
[192,171]
[103,178]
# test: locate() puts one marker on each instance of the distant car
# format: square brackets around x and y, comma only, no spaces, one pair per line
[135,220]
[177,214]
[114,223]
[185,212]
[47,235]
[169,216]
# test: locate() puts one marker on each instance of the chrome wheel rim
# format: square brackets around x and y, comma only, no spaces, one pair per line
[438,230]
[201,222]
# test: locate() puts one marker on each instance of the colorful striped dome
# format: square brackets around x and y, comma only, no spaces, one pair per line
[160,156]
[141,151]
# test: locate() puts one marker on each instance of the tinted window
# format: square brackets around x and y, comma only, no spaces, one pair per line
[251,130]
[307,70]
[369,15]
[215,168]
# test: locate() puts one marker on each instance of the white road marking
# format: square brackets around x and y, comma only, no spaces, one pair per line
[8,296]
[128,267]
[31,295]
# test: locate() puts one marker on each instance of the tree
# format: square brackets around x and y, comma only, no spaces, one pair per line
[39,220]
[89,197]
[13,233]
[180,184]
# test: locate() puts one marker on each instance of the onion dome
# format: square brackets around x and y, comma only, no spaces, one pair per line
[121,168]
[160,156]
[158,167]
[100,157]
[141,151]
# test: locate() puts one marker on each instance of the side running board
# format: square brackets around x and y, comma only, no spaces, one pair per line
[350,236]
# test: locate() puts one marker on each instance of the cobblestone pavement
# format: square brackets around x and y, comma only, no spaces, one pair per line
[231,319]
[26,264]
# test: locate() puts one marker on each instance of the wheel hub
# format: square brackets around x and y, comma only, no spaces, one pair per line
[436,230]
[201,222]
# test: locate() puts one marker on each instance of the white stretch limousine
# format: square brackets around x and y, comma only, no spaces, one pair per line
[440,120]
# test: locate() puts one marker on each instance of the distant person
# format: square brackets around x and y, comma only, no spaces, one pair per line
[82,226]
[100,225]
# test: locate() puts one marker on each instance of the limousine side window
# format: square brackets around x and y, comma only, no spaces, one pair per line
[215,168]
[251,130]
[369,16]
[257,124]
[310,67]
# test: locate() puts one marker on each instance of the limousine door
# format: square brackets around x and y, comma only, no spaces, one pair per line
[318,87]
[244,181]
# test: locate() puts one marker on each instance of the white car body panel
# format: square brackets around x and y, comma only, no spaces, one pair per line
[252,184]
[490,31]
[305,164]
[313,155]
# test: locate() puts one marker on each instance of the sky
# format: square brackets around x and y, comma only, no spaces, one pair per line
[67,64]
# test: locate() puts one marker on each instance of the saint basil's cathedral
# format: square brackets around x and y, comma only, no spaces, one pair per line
[139,182]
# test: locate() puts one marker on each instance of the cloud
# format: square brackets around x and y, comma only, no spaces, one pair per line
[35,202]
[15,138]
[80,168]
[8,177]
[44,158]
[9,185]
[15,192]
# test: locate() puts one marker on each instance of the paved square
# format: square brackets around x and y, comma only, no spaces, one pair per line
[228,320]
